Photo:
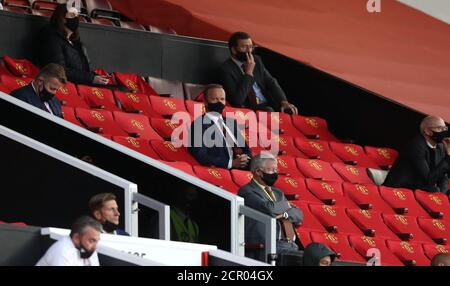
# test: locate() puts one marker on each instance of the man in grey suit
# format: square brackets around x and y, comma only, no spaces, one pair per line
[261,196]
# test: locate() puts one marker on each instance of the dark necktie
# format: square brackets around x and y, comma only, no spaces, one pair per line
[251,94]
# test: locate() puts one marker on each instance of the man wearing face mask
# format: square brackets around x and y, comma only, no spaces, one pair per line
[215,140]
[40,92]
[247,82]
[261,196]
[104,209]
[424,163]
[61,44]
[78,249]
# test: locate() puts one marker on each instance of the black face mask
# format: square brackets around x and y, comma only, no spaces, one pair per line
[45,95]
[84,253]
[270,179]
[216,107]
[72,23]
[241,56]
[109,227]
[438,137]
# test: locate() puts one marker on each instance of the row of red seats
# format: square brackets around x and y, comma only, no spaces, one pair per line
[14,223]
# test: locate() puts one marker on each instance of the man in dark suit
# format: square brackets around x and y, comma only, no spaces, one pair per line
[104,209]
[261,196]
[247,82]
[41,91]
[215,141]
[424,163]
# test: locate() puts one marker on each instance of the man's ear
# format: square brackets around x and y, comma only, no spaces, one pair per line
[233,50]
[76,239]
[97,215]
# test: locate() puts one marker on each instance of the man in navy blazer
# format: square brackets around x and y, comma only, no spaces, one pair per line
[41,91]
[104,209]
[217,141]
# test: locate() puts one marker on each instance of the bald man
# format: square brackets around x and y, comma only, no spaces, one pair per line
[441,259]
[424,163]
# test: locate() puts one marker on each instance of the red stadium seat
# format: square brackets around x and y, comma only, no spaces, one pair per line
[17,10]
[406,228]
[164,87]
[316,149]
[47,5]
[165,128]
[21,67]
[287,147]
[317,169]
[69,115]
[282,123]
[42,13]
[132,26]
[104,22]
[363,243]
[16,3]
[243,116]
[99,121]
[309,222]
[409,253]
[101,9]
[431,250]
[353,154]
[436,204]
[403,201]
[241,177]
[134,83]
[339,244]
[367,197]
[295,189]
[371,223]
[104,73]
[161,30]
[438,230]
[182,166]
[313,127]
[100,98]
[4,89]
[330,193]
[352,174]
[168,152]
[166,107]
[137,144]
[287,166]
[134,102]
[191,108]
[193,91]
[303,235]
[68,95]
[218,177]
[13,83]
[381,155]
[334,219]
[136,125]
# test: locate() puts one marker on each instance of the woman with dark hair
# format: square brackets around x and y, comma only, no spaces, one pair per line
[62,45]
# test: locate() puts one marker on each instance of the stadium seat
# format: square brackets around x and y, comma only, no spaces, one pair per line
[99,121]
[136,125]
[193,91]
[134,83]
[102,72]
[436,204]
[138,144]
[371,223]
[309,222]
[13,83]
[21,67]
[282,123]
[367,197]
[165,128]
[68,96]
[243,117]
[438,230]
[16,3]
[161,30]
[334,219]
[287,166]
[4,89]
[104,22]
[134,102]
[316,149]
[409,253]
[17,10]
[287,147]
[339,244]
[363,243]
[101,9]
[97,97]
[69,115]
[403,201]
[384,157]
[317,169]
[313,127]
[47,5]
[431,250]
[42,13]
[132,25]
[241,177]
[166,107]
[352,154]
[295,189]
[191,108]
[304,237]
[164,87]
[352,174]
[168,152]
[406,228]
[218,177]
[182,166]
[330,193]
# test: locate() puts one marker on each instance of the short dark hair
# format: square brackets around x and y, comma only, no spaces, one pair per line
[440,258]
[232,42]
[53,71]
[209,87]
[82,223]
[97,201]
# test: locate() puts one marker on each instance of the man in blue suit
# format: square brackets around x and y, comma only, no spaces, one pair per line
[215,140]
[41,91]
[104,209]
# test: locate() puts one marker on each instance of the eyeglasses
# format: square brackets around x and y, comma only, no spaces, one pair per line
[440,128]
[247,47]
